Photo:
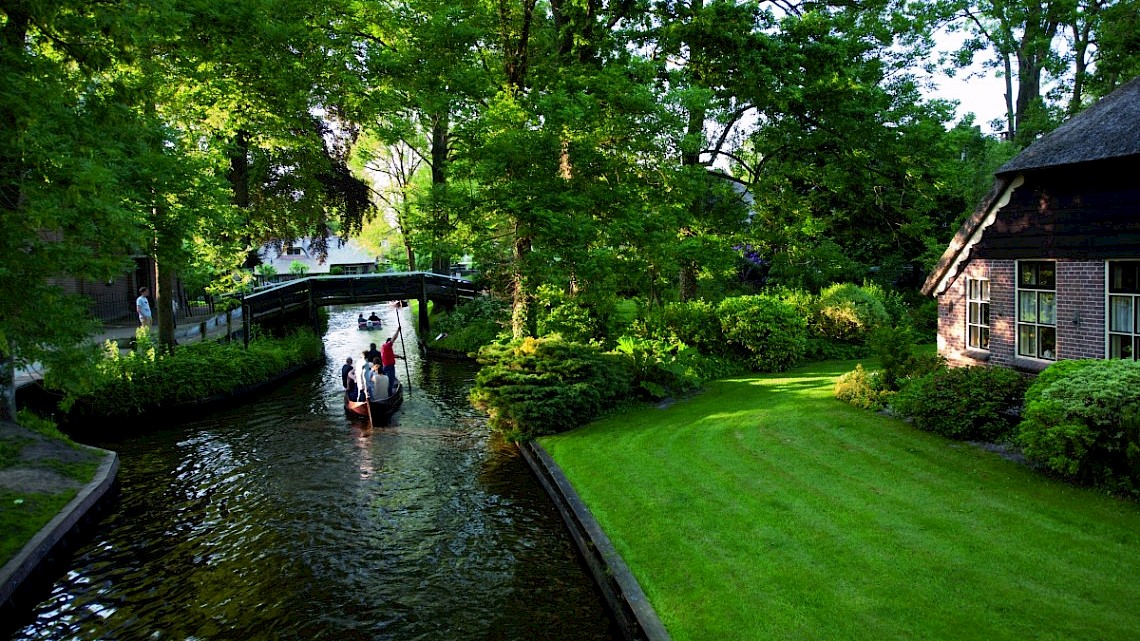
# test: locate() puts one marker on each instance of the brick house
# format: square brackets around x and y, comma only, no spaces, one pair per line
[1048,266]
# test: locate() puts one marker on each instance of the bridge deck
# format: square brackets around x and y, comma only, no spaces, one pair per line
[320,291]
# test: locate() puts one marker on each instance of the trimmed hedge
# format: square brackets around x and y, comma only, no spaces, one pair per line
[765,329]
[849,313]
[1082,421]
[964,403]
[536,386]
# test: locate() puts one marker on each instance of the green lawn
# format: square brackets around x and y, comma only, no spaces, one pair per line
[765,509]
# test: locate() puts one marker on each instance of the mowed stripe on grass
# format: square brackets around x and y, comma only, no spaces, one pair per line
[763,508]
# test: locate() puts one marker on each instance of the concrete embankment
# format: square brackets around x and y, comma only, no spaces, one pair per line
[635,616]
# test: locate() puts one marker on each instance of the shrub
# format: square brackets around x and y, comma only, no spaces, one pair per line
[536,386]
[894,303]
[559,313]
[694,323]
[849,313]
[894,347]
[1082,421]
[965,403]
[147,379]
[862,389]
[658,367]
[661,368]
[766,329]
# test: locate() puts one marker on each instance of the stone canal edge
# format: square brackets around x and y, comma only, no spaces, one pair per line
[30,567]
[635,616]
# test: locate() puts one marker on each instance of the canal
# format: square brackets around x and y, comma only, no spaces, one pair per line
[283,519]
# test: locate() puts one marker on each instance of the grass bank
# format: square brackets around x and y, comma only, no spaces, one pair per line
[765,509]
[40,472]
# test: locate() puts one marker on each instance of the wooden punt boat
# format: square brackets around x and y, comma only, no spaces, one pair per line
[381,410]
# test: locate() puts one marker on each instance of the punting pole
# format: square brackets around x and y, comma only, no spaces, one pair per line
[367,401]
[407,372]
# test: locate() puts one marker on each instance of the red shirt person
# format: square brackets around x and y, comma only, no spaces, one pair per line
[388,358]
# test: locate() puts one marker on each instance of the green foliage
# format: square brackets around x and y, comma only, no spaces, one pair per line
[535,386]
[472,325]
[560,313]
[964,403]
[36,423]
[848,313]
[148,379]
[894,347]
[664,368]
[695,323]
[862,389]
[1082,421]
[765,329]
[298,268]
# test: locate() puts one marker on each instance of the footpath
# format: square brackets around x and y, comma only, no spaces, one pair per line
[189,330]
[52,491]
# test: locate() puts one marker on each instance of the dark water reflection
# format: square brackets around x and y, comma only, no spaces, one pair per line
[282,519]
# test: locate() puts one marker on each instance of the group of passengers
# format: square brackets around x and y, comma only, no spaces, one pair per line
[378,374]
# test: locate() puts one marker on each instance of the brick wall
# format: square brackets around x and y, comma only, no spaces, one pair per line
[1080,309]
[1080,314]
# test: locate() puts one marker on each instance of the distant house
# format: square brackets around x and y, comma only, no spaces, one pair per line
[346,259]
[1048,266]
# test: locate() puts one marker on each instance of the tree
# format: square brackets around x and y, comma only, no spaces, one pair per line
[66,167]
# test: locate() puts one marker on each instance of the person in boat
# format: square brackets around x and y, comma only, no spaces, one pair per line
[360,320]
[348,379]
[374,318]
[371,373]
[344,370]
[379,383]
[372,354]
[388,360]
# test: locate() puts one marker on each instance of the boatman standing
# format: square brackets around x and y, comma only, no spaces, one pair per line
[388,361]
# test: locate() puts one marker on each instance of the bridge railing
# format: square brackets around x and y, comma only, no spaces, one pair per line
[319,291]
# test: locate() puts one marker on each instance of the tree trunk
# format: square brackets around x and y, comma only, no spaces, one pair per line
[164,303]
[239,184]
[441,223]
[411,255]
[522,309]
[8,388]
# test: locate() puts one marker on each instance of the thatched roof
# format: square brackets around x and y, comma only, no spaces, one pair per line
[1108,129]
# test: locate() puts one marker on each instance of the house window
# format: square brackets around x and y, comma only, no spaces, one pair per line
[293,251]
[978,313]
[1124,309]
[1037,309]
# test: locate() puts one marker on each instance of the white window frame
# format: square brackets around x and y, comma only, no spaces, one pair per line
[1133,312]
[1036,323]
[978,313]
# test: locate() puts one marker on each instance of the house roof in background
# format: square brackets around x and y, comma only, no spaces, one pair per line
[1108,129]
[351,253]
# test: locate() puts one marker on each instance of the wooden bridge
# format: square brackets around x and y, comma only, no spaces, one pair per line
[318,291]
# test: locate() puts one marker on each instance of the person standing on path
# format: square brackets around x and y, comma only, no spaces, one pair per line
[142,306]
[388,360]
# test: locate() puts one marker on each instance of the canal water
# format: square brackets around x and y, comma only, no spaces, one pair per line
[283,519]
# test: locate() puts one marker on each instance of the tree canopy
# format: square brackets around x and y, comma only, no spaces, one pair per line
[661,149]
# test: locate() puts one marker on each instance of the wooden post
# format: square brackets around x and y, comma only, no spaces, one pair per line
[425,321]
